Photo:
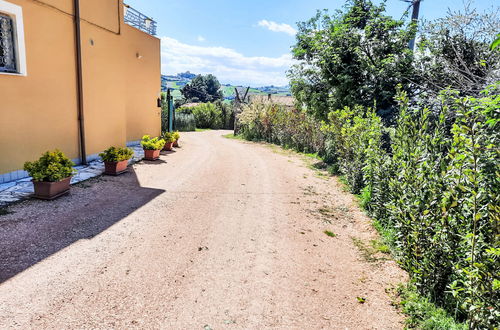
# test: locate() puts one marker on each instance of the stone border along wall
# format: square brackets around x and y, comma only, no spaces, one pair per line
[20,189]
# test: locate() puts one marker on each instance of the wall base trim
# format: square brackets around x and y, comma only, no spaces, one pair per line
[20,174]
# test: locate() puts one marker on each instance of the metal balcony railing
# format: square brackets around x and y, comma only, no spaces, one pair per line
[138,20]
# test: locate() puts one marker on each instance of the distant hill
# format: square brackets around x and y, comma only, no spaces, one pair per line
[181,79]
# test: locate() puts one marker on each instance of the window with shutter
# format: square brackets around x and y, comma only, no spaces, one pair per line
[7,47]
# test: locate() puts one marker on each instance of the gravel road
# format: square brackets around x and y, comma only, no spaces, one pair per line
[220,234]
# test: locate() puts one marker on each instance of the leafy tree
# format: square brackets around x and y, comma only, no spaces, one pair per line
[455,52]
[203,89]
[495,43]
[186,75]
[355,57]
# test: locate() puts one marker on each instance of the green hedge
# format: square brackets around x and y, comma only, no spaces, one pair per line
[433,181]
[211,115]
[185,122]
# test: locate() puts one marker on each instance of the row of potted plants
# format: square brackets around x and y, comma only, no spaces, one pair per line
[51,173]
[153,146]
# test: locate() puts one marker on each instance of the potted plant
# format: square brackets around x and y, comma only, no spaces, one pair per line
[177,136]
[152,147]
[51,174]
[116,160]
[169,140]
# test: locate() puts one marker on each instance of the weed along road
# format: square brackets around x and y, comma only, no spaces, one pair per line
[220,234]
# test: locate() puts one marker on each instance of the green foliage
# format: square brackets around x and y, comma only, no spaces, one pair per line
[354,57]
[433,187]
[51,167]
[439,188]
[211,115]
[149,143]
[494,45]
[353,134]
[227,114]
[168,137]
[176,135]
[423,314]
[185,122]
[203,89]
[114,154]
[207,115]
[232,136]
[454,52]
[289,127]
[330,233]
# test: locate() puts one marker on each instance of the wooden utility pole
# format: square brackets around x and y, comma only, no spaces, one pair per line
[238,98]
[238,107]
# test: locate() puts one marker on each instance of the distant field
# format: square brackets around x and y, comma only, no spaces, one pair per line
[228,91]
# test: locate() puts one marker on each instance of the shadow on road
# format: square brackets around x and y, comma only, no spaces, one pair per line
[34,230]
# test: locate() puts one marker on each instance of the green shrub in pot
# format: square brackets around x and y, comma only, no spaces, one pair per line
[177,136]
[51,174]
[149,143]
[169,140]
[53,166]
[152,147]
[114,154]
[168,137]
[116,160]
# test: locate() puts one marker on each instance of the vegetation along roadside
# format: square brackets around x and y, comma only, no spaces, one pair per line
[420,147]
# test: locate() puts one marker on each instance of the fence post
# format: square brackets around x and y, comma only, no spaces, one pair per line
[170,106]
[173,112]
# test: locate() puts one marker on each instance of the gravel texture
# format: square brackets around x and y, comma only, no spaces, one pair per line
[220,234]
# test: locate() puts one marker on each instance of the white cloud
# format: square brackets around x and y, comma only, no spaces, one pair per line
[277,27]
[200,39]
[226,64]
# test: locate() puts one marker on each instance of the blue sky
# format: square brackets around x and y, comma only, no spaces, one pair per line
[248,42]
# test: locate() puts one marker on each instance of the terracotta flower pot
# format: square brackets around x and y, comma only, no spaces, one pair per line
[151,154]
[115,168]
[51,190]
[176,143]
[168,146]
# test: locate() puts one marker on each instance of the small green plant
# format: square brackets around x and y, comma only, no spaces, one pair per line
[51,167]
[176,135]
[369,251]
[361,300]
[114,154]
[233,137]
[379,246]
[422,313]
[329,233]
[149,143]
[168,137]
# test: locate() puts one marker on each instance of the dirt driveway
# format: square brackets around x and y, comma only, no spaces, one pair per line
[222,234]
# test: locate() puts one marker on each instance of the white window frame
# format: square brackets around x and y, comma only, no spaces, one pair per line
[16,13]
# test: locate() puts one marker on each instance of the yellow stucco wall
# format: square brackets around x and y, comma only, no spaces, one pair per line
[142,112]
[38,112]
